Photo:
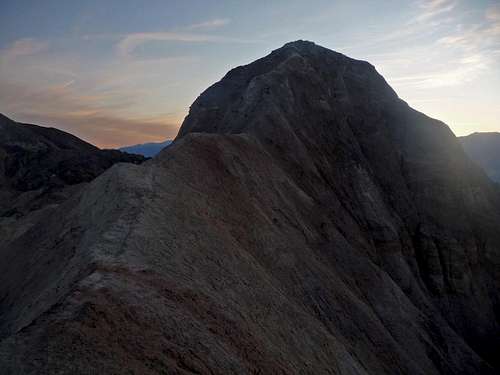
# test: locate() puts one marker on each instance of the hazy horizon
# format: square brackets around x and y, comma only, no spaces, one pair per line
[125,72]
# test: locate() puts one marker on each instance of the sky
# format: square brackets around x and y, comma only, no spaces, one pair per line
[122,72]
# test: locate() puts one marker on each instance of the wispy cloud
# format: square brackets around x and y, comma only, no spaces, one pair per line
[434,8]
[23,47]
[190,34]
[208,25]
[478,44]
[463,71]
[129,43]
[493,13]
[110,101]
[453,52]
[427,18]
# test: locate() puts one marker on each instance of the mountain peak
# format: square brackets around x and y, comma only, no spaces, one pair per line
[300,72]
[301,45]
[306,47]
[324,227]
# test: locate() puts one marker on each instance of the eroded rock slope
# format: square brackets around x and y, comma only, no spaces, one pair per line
[305,220]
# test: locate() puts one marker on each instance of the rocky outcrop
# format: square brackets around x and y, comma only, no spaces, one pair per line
[42,167]
[305,220]
[484,149]
[35,156]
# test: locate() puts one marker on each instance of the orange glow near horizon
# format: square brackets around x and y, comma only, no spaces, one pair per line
[133,83]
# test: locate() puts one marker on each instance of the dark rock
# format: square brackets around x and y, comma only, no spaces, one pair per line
[38,158]
[34,156]
[305,220]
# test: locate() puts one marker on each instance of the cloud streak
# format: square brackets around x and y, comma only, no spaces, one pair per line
[434,8]
[458,54]
[112,101]
[21,48]
[212,24]
[129,43]
[188,34]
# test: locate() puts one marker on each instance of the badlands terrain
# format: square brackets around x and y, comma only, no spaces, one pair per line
[305,220]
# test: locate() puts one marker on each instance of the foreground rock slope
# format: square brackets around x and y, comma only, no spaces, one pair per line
[305,220]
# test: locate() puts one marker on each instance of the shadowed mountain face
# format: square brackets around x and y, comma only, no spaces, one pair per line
[35,156]
[305,220]
[484,149]
[146,149]
[41,167]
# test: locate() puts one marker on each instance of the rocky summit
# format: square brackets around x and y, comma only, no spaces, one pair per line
[304,221]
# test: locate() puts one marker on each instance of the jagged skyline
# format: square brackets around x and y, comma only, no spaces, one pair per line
[124,72]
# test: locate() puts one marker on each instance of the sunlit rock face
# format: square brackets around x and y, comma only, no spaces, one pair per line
[305,220]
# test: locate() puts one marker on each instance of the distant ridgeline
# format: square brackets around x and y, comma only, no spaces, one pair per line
[146,149]
[484,149]
[41,166]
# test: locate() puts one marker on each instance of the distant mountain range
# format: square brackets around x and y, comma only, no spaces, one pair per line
[484,149]
[146,149]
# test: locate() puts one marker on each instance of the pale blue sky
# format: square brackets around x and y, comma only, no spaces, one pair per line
[122,72]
